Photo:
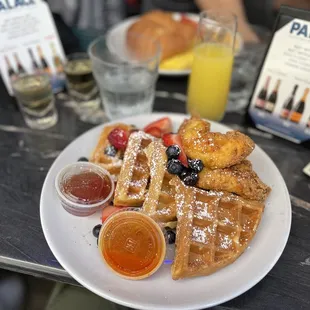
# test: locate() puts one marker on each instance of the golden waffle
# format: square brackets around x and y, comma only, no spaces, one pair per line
[214,228]
[134,175]
[111,164]
[159,201]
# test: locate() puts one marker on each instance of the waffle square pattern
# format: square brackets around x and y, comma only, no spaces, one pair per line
[213,230]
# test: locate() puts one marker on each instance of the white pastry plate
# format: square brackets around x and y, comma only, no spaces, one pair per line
[116,40]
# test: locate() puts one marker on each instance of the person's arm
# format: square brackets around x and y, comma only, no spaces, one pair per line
[236,7]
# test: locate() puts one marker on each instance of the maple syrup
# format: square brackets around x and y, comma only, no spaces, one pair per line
[132,244]
[84,188]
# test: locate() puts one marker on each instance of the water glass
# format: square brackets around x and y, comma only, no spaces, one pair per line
[210,77]
[126,76]
[246,65]
[243,75]
[36,100]
[81,84]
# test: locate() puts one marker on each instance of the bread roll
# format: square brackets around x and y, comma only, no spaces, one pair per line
[161,18]
[174,37]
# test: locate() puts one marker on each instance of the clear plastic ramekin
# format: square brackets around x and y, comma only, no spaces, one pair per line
[126,238]
[75,206]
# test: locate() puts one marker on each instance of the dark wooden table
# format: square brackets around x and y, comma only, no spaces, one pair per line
[26,155]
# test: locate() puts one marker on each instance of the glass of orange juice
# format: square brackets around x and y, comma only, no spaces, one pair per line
[209,81]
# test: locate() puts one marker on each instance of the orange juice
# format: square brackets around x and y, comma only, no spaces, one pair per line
[209,82]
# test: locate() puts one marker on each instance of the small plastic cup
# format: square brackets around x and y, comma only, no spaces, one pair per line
[132,244]
[73,204]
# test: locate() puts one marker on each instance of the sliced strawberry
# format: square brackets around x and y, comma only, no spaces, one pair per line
[163,124]
[109,210]
[154,131]
[119,138]
[174,139]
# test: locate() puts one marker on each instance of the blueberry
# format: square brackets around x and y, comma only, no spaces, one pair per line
[173,151]
[96,230]
[110,150]
[189,177]
[195,164]
[170,236]
[174,166]
[184,173]
[83,159]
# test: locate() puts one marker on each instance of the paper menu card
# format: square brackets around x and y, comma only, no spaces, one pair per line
[29,42]
[280,103]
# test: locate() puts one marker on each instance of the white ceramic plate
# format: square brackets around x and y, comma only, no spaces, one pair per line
[116,40]
[70,239]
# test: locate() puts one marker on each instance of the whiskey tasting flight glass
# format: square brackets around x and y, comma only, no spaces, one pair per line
[82,87]
[36,100]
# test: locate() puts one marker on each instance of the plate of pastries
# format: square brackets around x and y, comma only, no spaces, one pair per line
[190,214]
[176,33]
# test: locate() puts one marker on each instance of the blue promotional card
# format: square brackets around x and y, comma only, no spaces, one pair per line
[280,103]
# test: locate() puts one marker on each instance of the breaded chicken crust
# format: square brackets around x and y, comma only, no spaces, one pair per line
[239,179]
[216,150]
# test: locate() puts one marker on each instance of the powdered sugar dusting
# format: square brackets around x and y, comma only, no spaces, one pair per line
[134,174]
[203,235]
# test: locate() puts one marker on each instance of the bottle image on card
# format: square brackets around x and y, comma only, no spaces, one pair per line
[20,68]
[56,59]
[298,109]
[262,95]
[11,72]
[44,63]
[288,104]
[35,67]
[272,99]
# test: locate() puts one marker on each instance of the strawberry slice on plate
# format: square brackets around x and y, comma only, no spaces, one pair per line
[164,125]
[109,210]
[174,139]
[154,131]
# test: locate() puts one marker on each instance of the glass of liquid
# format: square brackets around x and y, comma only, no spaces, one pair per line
[126,73]
[210,78]
[82,87]
[36,100]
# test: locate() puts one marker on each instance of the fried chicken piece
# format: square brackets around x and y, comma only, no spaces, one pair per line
[216,150]
[239,179]
[194,124]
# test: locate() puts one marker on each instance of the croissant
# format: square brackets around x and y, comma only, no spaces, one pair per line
[174,37]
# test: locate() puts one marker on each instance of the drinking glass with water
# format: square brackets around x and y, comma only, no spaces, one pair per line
[126,77]
[36,100]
